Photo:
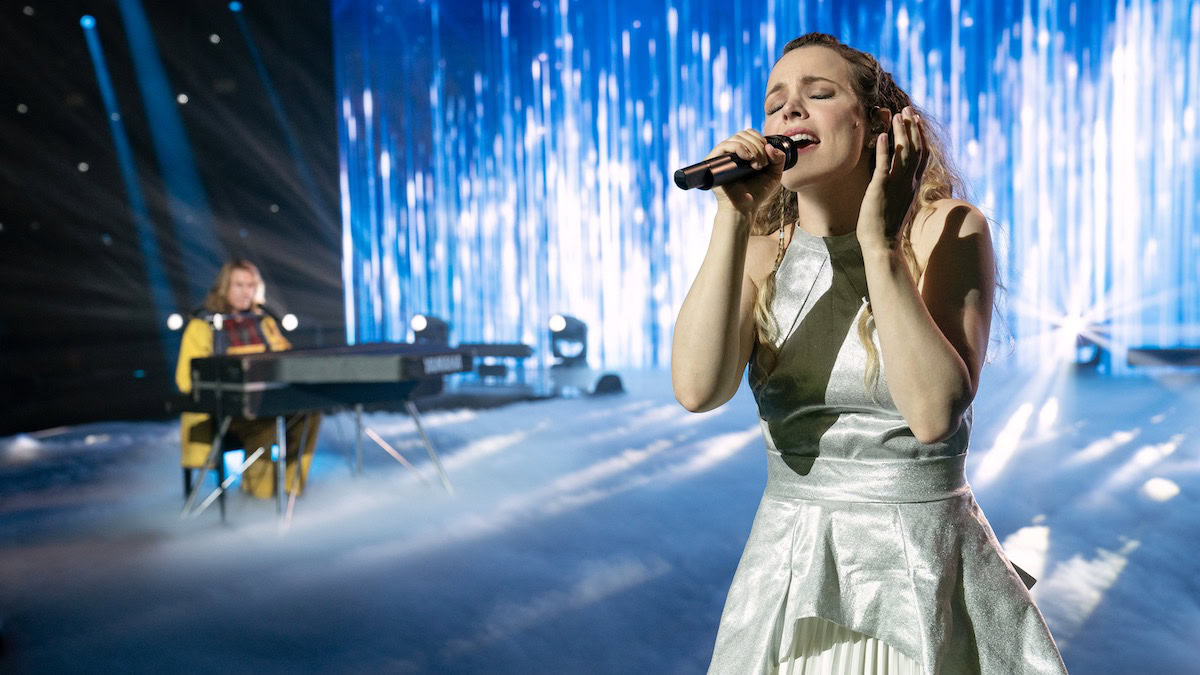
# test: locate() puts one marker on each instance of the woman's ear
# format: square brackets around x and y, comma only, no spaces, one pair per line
[882,118]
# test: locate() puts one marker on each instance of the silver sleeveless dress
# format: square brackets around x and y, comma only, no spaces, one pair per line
[861,524]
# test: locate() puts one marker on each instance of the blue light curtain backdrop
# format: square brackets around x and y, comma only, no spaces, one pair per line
[505,161]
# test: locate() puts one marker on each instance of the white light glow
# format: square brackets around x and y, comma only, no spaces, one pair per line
[175,322]
[1028,547]
[1005,446]
[418,323]
[1048,415]
[557,323]
[1160,489]
[1102,447]
[289,322]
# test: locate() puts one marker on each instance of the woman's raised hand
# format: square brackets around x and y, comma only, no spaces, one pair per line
[894,184]
[746,195]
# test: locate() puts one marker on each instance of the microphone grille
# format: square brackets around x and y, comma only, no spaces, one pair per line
[787,146]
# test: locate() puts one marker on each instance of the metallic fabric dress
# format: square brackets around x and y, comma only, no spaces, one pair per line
[861,525]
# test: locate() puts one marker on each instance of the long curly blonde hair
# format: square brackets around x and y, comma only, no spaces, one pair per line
[874,87]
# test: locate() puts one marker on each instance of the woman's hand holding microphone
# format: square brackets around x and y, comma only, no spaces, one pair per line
[743,197]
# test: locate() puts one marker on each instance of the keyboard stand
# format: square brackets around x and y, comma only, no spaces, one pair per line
[213,455]
[254,457]
[416,417]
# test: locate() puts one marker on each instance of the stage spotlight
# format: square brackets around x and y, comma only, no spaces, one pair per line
[429,330]
[1087,353]
[289,322]
[175,322]
[235,6]
[1083,352]
[571,375]
[87,21]
[568,341]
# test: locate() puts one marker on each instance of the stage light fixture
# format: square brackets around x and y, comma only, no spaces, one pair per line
[235,6]
[429,330]
[87,21]
[1087,352]
[175,322]
[289,322]
[182,98]
[1082,351]
[571,374]
[568,341]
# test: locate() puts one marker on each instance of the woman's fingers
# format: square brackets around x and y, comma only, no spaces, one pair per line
[924,147]
[758,144]
[881,156]
[901,157]
[751,146]
[738,146]
[918,143]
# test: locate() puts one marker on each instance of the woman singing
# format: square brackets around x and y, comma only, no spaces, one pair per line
[859,291]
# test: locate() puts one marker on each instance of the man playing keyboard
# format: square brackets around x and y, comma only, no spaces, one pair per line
[232,321]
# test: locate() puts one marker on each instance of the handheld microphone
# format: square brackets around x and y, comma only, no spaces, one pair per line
[729,168]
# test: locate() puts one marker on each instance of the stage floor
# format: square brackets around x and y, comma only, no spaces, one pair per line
[587,535]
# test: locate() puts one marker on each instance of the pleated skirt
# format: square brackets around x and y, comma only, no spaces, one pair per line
[821,647]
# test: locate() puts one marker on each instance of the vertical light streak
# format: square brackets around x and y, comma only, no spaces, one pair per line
[156,276]
[186,199]
[310,193]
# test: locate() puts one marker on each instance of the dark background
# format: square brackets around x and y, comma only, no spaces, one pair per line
[79,336]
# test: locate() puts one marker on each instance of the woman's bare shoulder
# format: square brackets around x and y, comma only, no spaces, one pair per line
[945,217]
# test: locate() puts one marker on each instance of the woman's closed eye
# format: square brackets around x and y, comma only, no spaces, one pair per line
[774,109]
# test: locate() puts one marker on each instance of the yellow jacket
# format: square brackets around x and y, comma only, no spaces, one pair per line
[196,432]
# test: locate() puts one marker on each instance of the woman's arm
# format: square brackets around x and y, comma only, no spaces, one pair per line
[714,332]
[933,335]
